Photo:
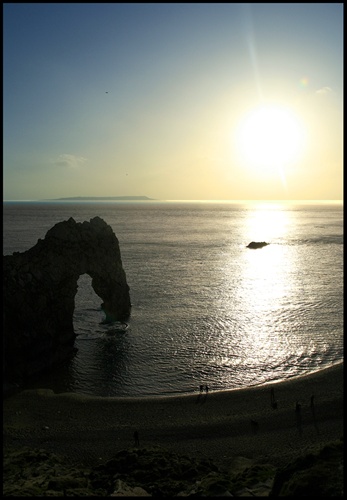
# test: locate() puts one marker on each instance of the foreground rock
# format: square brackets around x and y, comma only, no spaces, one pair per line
[39,293]
[316,475]
[160,473]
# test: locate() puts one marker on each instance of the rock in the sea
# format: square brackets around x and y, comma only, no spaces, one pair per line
[39,288]
[257,244]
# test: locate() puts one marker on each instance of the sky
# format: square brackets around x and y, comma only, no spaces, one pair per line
[174,101]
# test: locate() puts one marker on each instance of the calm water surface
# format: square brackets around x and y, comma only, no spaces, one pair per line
[205,309]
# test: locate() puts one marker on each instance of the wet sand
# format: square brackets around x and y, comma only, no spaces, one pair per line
[217,425]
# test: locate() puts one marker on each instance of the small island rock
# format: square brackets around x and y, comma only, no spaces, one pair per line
[257,244]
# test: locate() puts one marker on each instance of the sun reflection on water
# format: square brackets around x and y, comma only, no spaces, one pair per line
[267,221]
[264,286]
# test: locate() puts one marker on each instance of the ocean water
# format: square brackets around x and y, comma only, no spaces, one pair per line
[205,309]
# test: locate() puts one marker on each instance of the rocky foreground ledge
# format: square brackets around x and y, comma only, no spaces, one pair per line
[159,473]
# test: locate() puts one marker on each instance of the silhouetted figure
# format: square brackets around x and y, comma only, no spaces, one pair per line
[313,411]
[273,401]
[136,439]
[201,397]
[298,417]
[254,426]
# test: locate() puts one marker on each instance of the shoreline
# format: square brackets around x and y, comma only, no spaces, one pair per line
[218,425]
[10,389]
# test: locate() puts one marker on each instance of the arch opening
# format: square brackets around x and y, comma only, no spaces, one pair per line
[88,313]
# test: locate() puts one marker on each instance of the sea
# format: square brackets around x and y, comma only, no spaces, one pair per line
[206,310]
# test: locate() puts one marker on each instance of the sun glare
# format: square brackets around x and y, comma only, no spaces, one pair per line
[269,137]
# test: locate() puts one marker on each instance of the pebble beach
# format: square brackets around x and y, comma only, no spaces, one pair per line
[217,425]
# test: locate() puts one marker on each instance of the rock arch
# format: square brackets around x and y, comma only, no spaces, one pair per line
[39,293]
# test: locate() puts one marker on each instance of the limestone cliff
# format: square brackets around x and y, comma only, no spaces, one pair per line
[39,293]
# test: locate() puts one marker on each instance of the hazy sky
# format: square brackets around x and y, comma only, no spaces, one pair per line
[173,101]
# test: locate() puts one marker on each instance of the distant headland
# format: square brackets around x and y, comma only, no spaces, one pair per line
[84,198]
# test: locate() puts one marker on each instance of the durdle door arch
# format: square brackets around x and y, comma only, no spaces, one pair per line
[39,293]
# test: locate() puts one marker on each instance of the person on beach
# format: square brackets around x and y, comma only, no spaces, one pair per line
[313,413]
[201,397]
[298,417]
[273,401]
[254,426]
[136,439]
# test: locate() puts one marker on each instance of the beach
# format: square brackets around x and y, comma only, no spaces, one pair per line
[217,425]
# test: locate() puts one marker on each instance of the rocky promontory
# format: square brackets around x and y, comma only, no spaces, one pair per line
[39,289]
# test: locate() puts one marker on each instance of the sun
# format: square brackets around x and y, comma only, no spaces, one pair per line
[270,137]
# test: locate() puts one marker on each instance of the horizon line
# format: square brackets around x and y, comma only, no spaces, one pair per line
[147,199]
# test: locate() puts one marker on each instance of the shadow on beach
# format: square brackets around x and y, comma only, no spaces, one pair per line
[202,396]
[201,399]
